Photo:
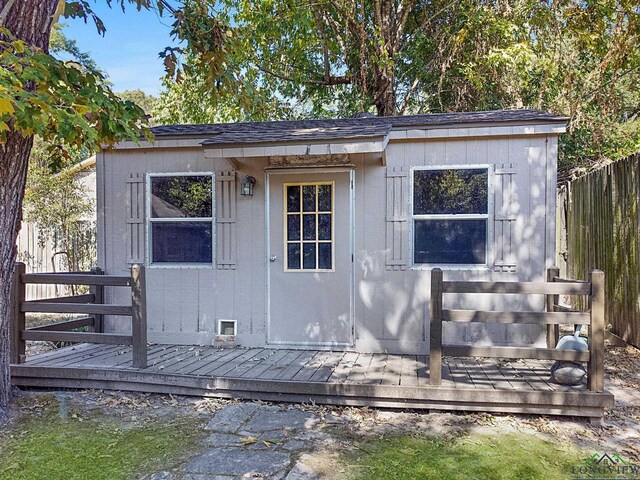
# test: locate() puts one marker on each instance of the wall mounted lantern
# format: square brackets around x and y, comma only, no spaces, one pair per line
[246,186]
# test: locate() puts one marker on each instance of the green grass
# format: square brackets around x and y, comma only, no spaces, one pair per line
[475,457]
[98,447]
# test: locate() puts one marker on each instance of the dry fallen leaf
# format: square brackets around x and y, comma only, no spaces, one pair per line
[249,441]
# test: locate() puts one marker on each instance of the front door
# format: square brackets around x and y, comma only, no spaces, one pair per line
[310,258]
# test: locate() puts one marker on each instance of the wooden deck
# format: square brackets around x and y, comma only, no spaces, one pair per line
[324,377]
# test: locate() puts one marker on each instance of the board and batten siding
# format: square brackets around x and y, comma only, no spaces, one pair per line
[184,303]
[391,297]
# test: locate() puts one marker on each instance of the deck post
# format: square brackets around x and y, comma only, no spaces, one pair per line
[18,318]
[98,294]
[139,316]
[553,331]
[596,331]
[435,328]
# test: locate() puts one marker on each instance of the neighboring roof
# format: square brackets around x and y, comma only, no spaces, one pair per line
[83,165]
[163,209]
[348,128]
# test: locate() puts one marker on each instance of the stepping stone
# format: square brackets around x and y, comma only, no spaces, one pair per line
[230,418]
[301,472]
[296,445]
[274,439]
[264,421]
[211,477]
[160,476]
[223,440]
[311,436]
[238,462]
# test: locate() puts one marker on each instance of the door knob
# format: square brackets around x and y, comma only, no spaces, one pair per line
[273,258]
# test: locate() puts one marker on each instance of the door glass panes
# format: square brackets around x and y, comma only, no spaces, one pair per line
[324,255]
[324,226]
[293,198]
[309,198]
[293,255]
[309,226]
[293,227]
[309,256]
[324,198]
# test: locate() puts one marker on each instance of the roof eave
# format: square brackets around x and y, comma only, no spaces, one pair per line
[336,146]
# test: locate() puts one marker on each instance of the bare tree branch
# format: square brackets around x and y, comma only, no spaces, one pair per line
[402,17]
[407,96]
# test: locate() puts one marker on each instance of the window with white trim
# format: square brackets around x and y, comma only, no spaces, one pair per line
[450,215]
[180,218]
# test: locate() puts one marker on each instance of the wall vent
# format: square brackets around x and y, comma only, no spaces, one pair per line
[227,328]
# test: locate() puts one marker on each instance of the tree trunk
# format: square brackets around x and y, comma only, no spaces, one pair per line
[30,21]
[385,94]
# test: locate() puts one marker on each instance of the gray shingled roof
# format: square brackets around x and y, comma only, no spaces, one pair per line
[266,132]
[348,128]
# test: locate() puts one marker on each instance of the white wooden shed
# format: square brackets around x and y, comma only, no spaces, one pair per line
[322,233]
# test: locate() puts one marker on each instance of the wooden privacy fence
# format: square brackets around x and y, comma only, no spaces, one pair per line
[91,304]
[554,315]
[599,218]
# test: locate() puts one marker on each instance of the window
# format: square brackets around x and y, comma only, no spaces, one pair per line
[181,218]
[309,226]
[450,216]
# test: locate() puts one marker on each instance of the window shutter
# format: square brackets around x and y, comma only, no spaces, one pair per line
[397,218]
[135,218]
[504,220]
[226,249]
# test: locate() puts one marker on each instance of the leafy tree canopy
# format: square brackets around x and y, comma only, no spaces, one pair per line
[284,59]
[61,46]
[140,98]
[59,101]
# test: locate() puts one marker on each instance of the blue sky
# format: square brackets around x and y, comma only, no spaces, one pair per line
[128,52]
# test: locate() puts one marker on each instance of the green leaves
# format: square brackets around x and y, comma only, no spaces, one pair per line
[61,101]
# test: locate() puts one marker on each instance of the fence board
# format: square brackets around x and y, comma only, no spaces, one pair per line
[80,337]
[66,325]
[76,279]
[533,288]
[88,298]
[514,352]
[602,216]
[85,308]
[537,318]
[435,328]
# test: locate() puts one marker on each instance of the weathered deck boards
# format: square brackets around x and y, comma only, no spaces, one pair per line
[341,378]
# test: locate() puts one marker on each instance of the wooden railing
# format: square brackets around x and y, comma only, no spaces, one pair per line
[553,316]
[91,304]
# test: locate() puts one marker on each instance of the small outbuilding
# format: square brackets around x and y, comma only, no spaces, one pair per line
[322,233]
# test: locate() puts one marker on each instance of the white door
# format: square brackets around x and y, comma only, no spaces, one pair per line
[310,258]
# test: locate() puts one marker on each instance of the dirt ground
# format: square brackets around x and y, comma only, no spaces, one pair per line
[619,432]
